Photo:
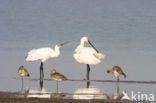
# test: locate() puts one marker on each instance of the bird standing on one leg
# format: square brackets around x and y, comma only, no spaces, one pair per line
[58,77]
[23,73]
[117,72]
[42,54]
[87,55]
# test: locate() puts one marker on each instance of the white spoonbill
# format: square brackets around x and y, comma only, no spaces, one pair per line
[42,54]
[87,55]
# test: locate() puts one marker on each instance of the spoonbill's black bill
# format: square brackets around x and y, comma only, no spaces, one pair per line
[63,44]
[93,46]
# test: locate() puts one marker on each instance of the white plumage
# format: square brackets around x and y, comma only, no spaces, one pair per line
[42,54]
[87,55]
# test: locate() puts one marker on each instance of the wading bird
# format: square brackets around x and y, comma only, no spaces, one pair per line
[87,55]
[42,54]
[58,77]
[117,72]
[23,73]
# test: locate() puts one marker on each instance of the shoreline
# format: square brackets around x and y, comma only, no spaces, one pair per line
[12,97]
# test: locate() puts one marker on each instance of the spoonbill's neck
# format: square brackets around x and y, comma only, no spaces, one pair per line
[82,43]
[57,50]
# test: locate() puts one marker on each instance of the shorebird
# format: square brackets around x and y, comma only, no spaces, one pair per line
[87,55]
[23,73]
[42,54]
[58,77]
[117,72]
[115,96]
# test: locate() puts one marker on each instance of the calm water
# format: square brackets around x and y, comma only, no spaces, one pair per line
[124,30]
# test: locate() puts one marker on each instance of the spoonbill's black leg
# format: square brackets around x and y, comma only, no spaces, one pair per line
[41,75]
[88,71]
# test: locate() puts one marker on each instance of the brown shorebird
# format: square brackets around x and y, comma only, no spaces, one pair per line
[117,72]
[115,96]
[23,73]
[58,77]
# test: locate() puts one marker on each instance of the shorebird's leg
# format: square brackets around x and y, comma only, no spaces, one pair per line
[117,85]
[41,75]
[22,84]
[117,79]
[88,71]
[56,86]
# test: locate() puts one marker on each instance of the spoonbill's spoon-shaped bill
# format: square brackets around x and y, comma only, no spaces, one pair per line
[60,45]
[93,46]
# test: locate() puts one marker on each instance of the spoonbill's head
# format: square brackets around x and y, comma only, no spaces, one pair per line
[85,39]
[60,45]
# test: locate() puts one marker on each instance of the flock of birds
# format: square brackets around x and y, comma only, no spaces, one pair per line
[85,55]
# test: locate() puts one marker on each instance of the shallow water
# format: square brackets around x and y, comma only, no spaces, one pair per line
[124,30]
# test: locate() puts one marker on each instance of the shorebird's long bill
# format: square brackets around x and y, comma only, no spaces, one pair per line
[63,44]
[93,46]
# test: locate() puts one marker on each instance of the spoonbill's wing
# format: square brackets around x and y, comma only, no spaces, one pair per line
[87,55]
[99,55]
[92,52]
[39,54]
